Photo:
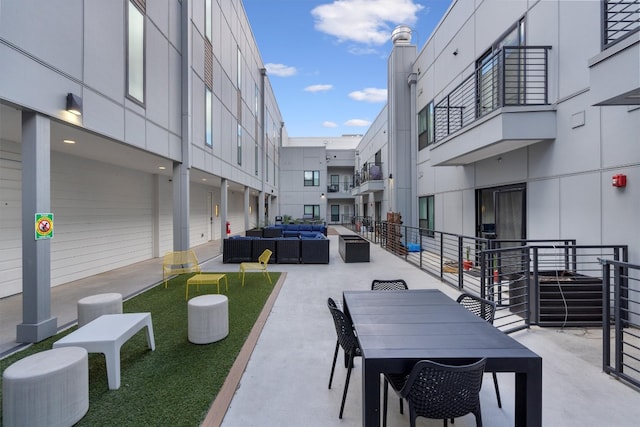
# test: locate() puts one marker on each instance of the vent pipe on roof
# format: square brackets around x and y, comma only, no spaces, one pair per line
[401,35]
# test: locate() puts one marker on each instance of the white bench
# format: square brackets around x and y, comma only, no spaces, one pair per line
[106,334]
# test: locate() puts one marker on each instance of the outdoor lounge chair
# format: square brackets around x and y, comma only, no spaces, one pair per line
[179,262]
[261,265]
[487,310]
[346,338]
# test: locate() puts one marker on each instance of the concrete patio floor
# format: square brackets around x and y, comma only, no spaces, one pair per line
[285,380]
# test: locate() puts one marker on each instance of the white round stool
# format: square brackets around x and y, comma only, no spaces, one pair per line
[208,318]
[47,389]
[94,306]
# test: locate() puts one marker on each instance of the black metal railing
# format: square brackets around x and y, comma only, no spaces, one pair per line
[512,76]
[621,18]
[369,172]
[333,188]
[621,317]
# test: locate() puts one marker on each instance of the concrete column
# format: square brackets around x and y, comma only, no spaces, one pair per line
[180,207]
[37,323]
[181,169]
[224,205]
[261,211]
[247,202]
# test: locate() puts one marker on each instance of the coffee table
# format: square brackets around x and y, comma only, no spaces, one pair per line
[206,279]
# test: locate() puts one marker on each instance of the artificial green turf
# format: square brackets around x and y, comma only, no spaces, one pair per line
[175,384]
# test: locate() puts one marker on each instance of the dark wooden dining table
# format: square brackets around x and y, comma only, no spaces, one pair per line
[397,328]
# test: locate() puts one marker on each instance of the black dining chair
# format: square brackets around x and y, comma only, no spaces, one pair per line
[346,338]
[486,310]
[388,285]
[395,380]
[438,391]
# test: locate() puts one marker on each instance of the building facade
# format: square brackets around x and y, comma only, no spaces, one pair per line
[527,121]
[143,127]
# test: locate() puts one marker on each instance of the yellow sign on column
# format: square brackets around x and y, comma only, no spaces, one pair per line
[44,226]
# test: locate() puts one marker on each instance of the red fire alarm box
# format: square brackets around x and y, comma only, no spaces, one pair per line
[619,180]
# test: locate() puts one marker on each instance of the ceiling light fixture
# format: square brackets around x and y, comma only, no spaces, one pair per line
[68,141]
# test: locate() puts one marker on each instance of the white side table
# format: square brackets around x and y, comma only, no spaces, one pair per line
[47,389]
[94,306]
[208,318]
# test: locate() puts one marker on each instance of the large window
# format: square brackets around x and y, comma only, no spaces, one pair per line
[311,178]
[425,126]
[135,53]
[207,19]
[311,211]
[426,217]
[239,71]
[208,119]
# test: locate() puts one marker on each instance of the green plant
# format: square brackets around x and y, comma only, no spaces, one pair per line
[468,252]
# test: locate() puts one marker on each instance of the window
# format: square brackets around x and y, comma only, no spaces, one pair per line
[425,126]
[311,178]
[335,213]
[311,212]
[135,53]
[426,217]
[207,19]
[239,71]
[334,187]
[208,119]
[239,143]
[256,103]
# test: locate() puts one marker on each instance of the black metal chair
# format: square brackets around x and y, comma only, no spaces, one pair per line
[388,285]
[438,391]
[395,380]
[486,310]
[346,338]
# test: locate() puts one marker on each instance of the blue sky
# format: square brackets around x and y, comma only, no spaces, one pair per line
[327,60]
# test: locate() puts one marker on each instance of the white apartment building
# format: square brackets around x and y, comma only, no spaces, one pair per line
[142,126]
[524,120]
[512,120]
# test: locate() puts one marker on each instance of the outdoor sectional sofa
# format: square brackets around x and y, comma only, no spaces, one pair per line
[305,248]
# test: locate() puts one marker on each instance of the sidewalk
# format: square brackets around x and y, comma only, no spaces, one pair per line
[285,381]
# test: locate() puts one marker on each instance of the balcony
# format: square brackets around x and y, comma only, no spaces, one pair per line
[502,106]
[340,191]
[368,179]
[613,73]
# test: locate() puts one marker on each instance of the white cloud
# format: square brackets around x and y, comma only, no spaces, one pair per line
[329,124]
[356,50]
[364,21]
[357,123]
[280,70]
[369,94]
[318,88]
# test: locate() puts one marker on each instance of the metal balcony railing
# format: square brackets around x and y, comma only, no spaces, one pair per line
[512,76]
[621,329]
[369,172]
[621,18]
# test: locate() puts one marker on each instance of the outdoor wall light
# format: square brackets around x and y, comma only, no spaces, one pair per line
[322,196]
[390,176]
[74,104]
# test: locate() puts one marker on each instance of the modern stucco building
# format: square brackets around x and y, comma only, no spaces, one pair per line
[142,126]
[514,118]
